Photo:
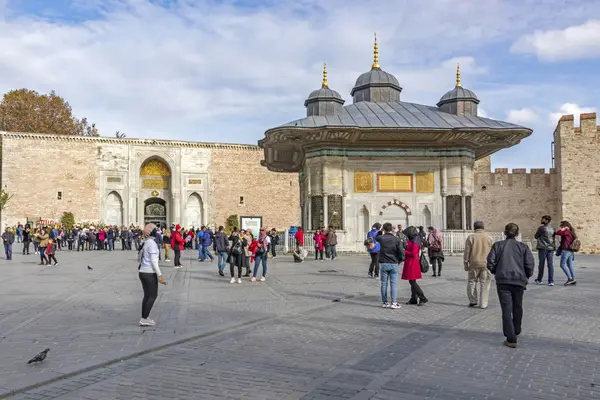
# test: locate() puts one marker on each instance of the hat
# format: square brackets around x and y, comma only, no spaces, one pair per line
[478,225]
[177,227]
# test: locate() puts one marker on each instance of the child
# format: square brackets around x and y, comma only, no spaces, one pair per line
[51,251]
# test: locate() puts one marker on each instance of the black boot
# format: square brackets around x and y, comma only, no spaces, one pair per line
[434,271]
[439,267]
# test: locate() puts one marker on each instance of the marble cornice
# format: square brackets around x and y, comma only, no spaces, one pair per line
[126,141]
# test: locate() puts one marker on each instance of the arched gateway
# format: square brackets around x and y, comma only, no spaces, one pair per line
[155,191]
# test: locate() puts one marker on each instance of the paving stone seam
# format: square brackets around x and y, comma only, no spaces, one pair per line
[152,350]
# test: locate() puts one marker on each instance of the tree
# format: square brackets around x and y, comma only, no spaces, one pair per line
[25,110]
[232,222]
[67,220]
[4,198]
[120,134]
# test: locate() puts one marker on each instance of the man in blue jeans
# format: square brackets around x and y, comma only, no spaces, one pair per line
[222,245]
[545,247]
[206,243]
[391,254]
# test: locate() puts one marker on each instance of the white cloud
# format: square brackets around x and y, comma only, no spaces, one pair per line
[570,108]
[208,71]
[522,116]
[482,113]
[572,43]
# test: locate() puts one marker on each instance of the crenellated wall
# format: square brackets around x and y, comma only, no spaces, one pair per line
[517,196]
[577,162]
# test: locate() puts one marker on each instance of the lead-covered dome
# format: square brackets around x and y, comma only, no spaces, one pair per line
[323,101]
[459,101]
[376,85]
[458,93]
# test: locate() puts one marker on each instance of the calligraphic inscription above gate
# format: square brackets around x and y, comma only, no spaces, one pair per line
[155,184]
[394,182]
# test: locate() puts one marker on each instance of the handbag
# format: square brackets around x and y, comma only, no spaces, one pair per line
[424,263]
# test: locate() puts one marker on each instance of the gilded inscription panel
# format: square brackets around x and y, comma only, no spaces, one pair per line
[155,168]
[394,182]
[155,183]
[113,179]
[195,181]
[425,182]
[363,182]
[453,181]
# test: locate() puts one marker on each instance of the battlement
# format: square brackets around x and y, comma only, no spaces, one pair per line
[517,177]
[588,126]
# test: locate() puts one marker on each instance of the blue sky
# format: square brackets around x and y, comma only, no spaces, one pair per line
[226,71]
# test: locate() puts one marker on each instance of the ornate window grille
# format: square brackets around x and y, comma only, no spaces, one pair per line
[335,211]
[453,212]
[316,210]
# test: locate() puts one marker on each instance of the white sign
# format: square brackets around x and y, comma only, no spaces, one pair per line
[253,223]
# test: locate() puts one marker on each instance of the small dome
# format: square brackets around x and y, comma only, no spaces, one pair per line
[458,93]
[374,78]
[324,93]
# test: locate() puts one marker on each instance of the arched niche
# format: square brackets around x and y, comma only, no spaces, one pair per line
[194,211]
[113,214]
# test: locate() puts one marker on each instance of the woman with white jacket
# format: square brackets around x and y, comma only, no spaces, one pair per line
[149,273]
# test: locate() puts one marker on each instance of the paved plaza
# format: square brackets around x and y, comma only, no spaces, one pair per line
[313,331]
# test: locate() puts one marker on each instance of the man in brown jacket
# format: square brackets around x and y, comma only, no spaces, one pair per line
[331,242]
[477,248]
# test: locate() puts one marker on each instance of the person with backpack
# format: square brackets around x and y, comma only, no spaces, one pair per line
[435,242]
[236,254]
[569,245]
[373,248]
[512,263]
[545,247]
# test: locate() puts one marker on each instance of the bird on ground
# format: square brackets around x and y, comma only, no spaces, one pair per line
[90,268]
[39,358]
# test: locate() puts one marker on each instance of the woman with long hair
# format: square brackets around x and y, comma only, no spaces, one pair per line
[412,266]
[149,273]
[435,242]
[260,255]
[235,255]
[567,256]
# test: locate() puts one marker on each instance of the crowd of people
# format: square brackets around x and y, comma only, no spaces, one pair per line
[510,261]
[413,249]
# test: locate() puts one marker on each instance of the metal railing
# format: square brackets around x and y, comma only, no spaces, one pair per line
[454,241]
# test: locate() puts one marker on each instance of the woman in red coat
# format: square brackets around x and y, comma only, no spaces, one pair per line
[412,267]
[177,245]
[319,239]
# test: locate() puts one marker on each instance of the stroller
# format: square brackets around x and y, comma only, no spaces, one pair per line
[299,255]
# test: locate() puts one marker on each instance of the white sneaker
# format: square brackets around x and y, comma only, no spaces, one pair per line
[147,322]
[232,280]
[239,280]
[386,305]
[177,267]
[151,321]
[262,279]
[395,305]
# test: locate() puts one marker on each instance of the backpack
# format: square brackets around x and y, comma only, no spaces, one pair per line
[237,248]
[576,245]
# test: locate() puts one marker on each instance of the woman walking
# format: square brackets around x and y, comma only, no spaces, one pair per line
[51,251]
[261,255]
[235,255]
[43,236]
[247,235]
[319,240]
[435,243]
[567,256]
[412,267]
[177,243]
[149,273]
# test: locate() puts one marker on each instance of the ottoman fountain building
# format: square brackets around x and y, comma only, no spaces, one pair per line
[381,159]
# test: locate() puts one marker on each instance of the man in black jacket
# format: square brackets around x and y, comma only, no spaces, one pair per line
[545,247]
[391,254]
[512,263]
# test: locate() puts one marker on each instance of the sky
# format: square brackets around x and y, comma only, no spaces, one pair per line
[226,71]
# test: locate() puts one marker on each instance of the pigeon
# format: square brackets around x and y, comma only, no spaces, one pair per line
[39,358]
[90,268]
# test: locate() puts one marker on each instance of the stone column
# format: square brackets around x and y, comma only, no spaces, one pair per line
[325,200]
[463,193]
[308,200]
[344,195]
[444,193]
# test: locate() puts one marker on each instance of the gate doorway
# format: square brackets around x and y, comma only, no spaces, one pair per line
[155,212]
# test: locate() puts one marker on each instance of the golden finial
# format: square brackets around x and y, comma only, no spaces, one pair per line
[375,53]
[457,75]
[325,84]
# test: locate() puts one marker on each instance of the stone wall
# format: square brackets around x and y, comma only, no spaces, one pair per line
[36,171]
[35,168]
[238,173]
[501,197]
[576,157]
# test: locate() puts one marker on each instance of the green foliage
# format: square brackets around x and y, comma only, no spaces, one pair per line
[4,198]
[67,220]
[233,221]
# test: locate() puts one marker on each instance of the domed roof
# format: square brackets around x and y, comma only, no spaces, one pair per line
[376,77]
[458,93]
[324,93]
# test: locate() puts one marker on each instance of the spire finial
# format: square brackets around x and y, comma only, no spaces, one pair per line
[457,75]
[325,84]
[375,53]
